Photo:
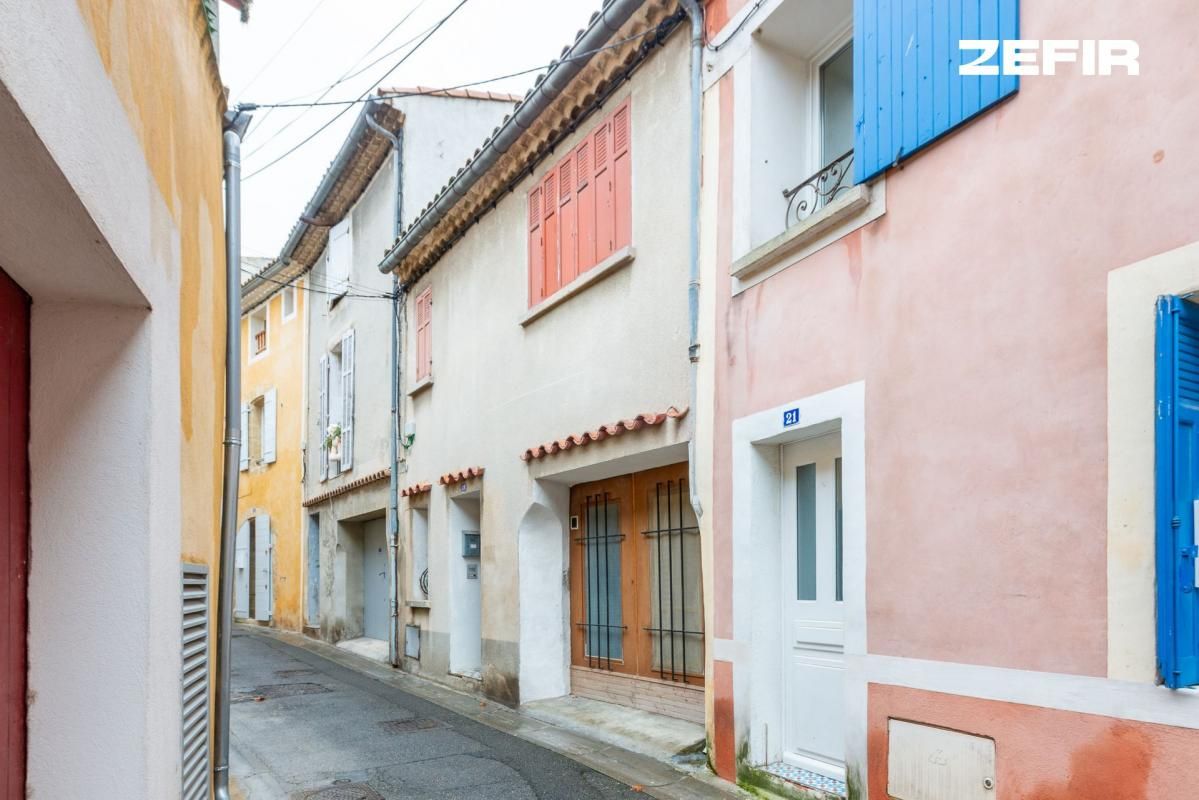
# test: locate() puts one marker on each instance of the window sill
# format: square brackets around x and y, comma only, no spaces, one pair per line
[592,276]
[421,385]
[418,604]
[857,206]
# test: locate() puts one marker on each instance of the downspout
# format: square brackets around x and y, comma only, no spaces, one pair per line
[696,12]
[393,490]
[235,126]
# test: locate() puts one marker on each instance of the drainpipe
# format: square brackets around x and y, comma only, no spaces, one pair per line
[236,122]
[393,495]
[696,13]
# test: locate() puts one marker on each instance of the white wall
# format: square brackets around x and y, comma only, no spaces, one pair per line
[617,349]
[84,230]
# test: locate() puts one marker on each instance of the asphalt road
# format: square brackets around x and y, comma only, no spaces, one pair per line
[305,727]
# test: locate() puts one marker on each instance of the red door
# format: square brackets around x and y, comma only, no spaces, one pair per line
[14,532]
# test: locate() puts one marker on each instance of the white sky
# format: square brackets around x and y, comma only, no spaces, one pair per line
[484,39]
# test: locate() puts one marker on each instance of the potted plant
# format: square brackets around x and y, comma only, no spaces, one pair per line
[333,442]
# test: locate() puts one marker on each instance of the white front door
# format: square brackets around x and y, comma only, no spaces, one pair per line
[812,610]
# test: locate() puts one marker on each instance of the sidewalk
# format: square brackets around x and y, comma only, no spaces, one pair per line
[645,773]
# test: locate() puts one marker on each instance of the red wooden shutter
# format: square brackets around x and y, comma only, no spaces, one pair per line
[549,232]
[568,246]
[585,199]
[622,177]
[424,334]
[536,253]
[14,532]
[605,213]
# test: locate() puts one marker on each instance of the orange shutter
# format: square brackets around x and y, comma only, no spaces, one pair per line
[567,224]
[605,213]
[622,177]
[585,200]
[549,233]
[536,253]
[424,340]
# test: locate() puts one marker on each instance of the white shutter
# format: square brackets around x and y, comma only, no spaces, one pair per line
[270,403]
[322,423]
[245,437]
[340,256]
[262,567]
[347,401]
[241,572]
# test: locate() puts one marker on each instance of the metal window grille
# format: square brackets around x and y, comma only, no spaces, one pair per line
[195,682]
[676,625]
[603,628]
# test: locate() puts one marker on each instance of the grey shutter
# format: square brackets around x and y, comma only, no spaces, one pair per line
[245,437]
[241,572]
[269,405]
[263,590]
[347,401]
[195,682]
[322,423]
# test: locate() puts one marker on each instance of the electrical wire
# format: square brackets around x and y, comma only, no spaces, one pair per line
[345,76]
[283,46]
[292,283]
[443,89]
[716,48]
[382,78]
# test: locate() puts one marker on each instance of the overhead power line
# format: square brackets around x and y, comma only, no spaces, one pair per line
[382,78]
[347,75]
[312,290]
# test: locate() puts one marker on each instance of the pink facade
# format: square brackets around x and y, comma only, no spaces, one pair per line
[975,313]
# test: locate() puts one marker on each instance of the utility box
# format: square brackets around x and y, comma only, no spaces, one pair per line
[928,763]
[470,544]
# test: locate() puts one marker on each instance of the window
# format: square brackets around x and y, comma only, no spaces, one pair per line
[258,331]
[289,302]
[335,417]
[800,116]
[1177,490]
[258,422]
[338,258]
[424,333]
[419,588]
[580,212]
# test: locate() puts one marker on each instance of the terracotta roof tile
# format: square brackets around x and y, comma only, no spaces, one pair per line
[617,428]
[467,94]
[347,487]
[415,489]
[460,475]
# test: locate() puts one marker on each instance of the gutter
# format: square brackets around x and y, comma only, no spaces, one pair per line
[603,25]
[235,126]
[393,489]
[696,12]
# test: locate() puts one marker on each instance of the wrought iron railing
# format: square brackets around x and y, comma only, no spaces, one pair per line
[819,190]
[424,583]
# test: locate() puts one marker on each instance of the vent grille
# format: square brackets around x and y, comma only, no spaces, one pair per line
[195,682]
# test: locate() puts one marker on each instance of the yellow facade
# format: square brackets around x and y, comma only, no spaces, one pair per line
[275,489]
[159,58]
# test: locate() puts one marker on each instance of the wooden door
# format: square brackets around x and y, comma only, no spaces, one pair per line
[635,577]
[14,532]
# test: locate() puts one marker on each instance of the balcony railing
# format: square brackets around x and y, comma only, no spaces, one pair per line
[819,190]
[259,342]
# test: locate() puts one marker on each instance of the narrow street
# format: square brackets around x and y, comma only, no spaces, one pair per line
[307,727]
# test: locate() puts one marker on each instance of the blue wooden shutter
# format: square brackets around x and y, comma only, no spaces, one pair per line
[907,91]
[1177,481]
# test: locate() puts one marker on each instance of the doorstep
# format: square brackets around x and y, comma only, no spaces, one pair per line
[656,777]
[812,784]
[374,649]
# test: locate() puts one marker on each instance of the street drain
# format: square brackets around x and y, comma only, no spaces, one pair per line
[410,725]
[345,791]
[260,693]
